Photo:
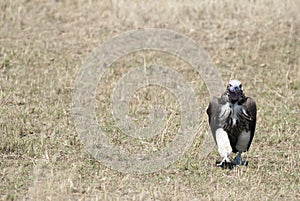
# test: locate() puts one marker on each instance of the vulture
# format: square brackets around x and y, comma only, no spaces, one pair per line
[232,119]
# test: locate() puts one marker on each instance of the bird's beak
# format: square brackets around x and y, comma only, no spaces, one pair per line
[237,89]
[234,92]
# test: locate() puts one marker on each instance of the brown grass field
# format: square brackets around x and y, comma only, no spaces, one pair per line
[42,47]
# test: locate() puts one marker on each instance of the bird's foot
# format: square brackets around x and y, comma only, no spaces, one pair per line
[225,163]
[242,163]
[238,160]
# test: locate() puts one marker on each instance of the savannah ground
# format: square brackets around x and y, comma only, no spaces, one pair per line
[42,47]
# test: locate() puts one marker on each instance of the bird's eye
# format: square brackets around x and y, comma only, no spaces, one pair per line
[240,85]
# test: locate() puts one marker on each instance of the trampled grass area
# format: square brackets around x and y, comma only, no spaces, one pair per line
[42,47]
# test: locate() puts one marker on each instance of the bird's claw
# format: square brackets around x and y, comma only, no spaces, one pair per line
[230,164]
[242,163]
[238,160]
[225,164]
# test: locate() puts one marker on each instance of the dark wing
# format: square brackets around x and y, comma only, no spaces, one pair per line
[211,109]
[250,107]
[213,113]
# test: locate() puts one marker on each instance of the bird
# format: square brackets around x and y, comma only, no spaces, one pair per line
[232,119]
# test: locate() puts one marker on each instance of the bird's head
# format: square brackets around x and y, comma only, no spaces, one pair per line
[234,90]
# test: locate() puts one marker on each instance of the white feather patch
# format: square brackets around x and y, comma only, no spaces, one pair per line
[224,147]
[225,111]
[243,141]
[245,113]
[236,111]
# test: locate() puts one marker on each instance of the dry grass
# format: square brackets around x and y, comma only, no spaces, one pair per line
[42,46]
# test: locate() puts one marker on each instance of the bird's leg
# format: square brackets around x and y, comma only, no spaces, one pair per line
[225,159]
[238,160]
[225,163]
[224,148]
